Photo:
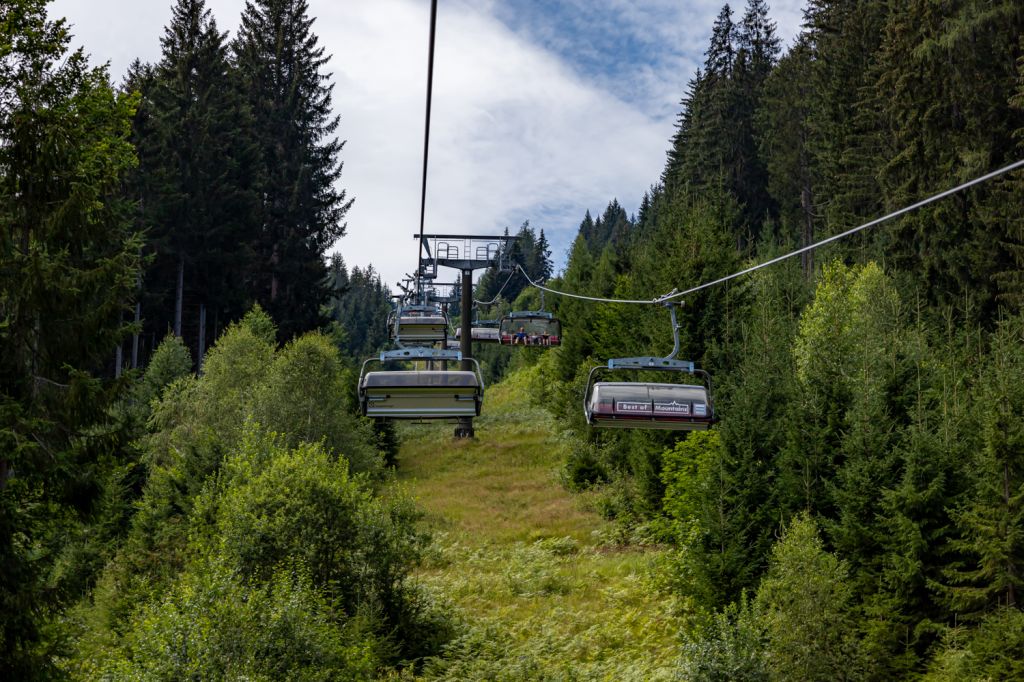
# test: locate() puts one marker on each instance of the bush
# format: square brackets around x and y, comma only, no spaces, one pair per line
[994,650]
[305,397]
[277,505]
[214,626]
[729,648]
[803,603]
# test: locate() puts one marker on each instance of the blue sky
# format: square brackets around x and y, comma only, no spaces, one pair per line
[542,109]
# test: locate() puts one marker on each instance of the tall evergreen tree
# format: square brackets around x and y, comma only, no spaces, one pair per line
[844,38]
[992,517]
[198,193]
[68,268]
[785,145]
[303,208]
[946,77]
[756,55]
[360,304]
[542,257]
[676,165]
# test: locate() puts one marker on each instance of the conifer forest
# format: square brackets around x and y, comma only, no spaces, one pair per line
[190,488]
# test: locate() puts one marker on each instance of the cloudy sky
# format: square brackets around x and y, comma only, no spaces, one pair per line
[542,109]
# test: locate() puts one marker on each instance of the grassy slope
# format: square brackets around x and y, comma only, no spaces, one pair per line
[519,559]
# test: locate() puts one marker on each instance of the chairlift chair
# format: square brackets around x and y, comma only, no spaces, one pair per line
[418,325]
[480,334]
[530,328]
[420,394]
[647,405]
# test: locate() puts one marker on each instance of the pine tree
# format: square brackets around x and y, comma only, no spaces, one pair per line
[992,517]
[757,53]
[70,261]
[947,74]
[707,160]
[543,265]
[785,145]
[303,208]
[198,190]
[676,166]
[844,39]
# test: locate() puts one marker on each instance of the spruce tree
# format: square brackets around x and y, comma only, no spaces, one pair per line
[198,192]
[992,516]
[785,146]
[946,77]
[676,165]
[757,53]
[302,207]
[542,259]
[69,261]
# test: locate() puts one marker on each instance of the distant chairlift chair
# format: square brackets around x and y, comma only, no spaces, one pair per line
[530,328]
[480,334]
[419,325]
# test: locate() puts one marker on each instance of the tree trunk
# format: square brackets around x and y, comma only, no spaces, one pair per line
[807,258]
[179,294]
[202,337]
[1011,591]
[135,336]
[273,273]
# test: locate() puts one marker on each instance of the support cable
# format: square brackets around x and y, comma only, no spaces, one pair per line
[498,295]
[877,221]
[596,299]
[426,127]
[675,293]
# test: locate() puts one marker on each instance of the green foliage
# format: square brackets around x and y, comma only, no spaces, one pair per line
[262,326]
[275,504]
[250,467]
[171,361]
[712,560]
[70,260]
[214,625]
[804,605]
[729,647]
[991,651]
[284,402]
[992,518]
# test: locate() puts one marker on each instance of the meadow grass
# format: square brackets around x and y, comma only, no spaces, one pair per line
[521,561]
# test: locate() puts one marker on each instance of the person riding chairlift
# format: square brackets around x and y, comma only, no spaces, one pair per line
[519,336]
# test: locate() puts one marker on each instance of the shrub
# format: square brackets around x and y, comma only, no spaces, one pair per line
[305,397]
[214,626]
[277,505]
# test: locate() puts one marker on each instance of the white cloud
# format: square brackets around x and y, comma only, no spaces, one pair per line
[516,133]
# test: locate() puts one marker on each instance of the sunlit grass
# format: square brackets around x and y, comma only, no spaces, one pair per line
[520,559]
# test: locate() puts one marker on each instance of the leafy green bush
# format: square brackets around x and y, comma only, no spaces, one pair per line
[803,604]
[213,625]
[729,648]
[304,396]
[170,362]
[276,505]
